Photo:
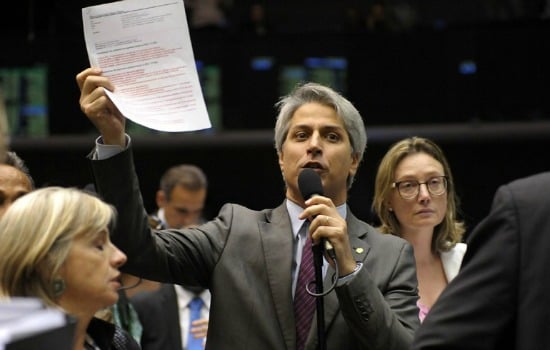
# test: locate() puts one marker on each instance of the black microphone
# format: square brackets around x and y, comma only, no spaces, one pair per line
[309,183]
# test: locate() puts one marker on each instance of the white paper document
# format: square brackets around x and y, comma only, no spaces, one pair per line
[23,317]
[144,47]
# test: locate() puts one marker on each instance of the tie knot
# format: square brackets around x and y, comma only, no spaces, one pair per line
[304,230]
[195,304]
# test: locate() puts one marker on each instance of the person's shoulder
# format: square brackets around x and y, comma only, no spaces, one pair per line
[374,236]
[526,197]
[387,248]
[530,188]
[145,296]
[239,209]
[535,179]
[236,206]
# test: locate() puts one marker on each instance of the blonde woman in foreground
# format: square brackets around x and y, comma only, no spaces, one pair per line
[56,247]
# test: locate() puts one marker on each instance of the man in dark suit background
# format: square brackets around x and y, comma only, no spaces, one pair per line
[164,313]
[249,259]
[501,296]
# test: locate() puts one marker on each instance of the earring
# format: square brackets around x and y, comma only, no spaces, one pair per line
[390,209]
[58,287]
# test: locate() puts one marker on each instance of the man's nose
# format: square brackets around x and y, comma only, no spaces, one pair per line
[315,143]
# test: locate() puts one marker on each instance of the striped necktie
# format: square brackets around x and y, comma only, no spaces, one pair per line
[304,304]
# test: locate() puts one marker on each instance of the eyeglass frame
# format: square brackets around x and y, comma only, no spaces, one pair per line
[418,184]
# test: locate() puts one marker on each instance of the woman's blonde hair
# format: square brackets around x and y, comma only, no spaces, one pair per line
[450,230]
[36,234]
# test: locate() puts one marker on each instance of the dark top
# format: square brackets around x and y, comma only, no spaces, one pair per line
[107,336]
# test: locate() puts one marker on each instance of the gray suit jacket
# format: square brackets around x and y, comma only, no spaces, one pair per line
[500,299]
[245,258]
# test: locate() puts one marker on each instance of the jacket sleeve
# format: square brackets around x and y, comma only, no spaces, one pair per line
[381,311]
[184,256]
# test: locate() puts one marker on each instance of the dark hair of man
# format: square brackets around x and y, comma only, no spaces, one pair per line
[189,176]
[12,159]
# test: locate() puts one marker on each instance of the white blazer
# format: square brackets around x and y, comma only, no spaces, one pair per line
[452,260]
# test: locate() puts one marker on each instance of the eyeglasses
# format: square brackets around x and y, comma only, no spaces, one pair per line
[409,189]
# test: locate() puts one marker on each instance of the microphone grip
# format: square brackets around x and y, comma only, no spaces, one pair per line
[329,248]
[326,246]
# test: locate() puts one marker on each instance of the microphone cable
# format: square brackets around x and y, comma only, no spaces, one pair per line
[335,277]
[132,285]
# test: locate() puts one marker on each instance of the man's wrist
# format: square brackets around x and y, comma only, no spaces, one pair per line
[347,278]
[104,151]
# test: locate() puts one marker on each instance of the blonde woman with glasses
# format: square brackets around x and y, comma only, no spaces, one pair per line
[415,198]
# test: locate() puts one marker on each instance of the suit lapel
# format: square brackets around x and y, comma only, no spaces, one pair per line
[277,244]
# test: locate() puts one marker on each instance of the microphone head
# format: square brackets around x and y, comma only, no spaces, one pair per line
[309,183]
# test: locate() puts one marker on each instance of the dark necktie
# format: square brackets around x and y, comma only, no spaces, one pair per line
[194,314]
[304,304]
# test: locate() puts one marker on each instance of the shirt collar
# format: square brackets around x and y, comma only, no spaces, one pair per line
[185,296]
[294,210]
[162,218]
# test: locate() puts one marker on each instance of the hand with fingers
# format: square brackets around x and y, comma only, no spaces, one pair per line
[99,108]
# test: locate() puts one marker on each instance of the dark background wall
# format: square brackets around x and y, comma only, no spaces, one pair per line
[242,166]
[424,62]
[472,75]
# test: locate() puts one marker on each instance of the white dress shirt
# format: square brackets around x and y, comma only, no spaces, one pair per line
[184,298]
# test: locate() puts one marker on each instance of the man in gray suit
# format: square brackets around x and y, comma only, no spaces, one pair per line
[250,259]
[500,299]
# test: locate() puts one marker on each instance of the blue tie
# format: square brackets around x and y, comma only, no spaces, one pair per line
[195,313]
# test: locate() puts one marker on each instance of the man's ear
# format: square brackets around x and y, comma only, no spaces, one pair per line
[160,199]
[280,157]
[354,164]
